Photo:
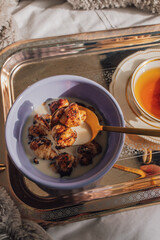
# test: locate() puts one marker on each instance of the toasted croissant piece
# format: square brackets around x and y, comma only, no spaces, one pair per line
[36,131]
[87,152]
[56,116]
[42,148]
[41,126]
[55,105]
[72,116]
[63,136]
[44,121]
[63,164]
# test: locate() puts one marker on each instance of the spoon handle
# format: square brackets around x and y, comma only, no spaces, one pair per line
[138,131]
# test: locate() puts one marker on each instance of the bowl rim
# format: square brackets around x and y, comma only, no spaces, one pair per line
[133,77]
[68,184]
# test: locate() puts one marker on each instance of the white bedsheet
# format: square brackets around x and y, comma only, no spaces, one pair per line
[36,19]
[138,224]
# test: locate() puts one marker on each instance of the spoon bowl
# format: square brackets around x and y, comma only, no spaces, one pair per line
[93,122]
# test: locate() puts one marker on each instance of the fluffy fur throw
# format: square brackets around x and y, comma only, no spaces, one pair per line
[7,26]
[12,227]
[147,5]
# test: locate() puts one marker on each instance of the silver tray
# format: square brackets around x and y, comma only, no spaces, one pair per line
[93,55]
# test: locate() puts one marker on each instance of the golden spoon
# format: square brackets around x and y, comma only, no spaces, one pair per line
[95,127]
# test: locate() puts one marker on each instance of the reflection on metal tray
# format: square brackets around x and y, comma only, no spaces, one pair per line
[95,56]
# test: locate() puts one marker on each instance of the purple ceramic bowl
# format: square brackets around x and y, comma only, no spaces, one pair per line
[55,87]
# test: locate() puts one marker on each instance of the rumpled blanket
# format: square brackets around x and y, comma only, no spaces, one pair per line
[147,5]
[13,227]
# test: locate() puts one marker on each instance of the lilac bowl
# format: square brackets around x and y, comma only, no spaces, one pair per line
[55,87]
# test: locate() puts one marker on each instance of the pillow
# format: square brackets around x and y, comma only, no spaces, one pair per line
[147,5]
